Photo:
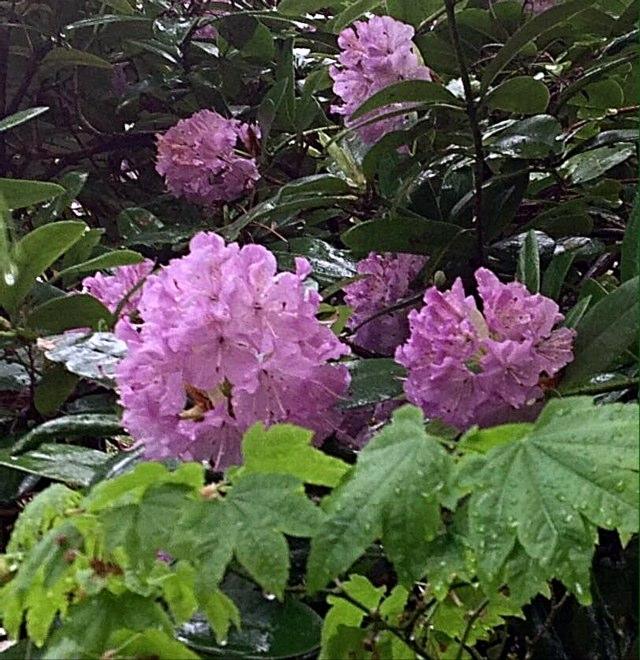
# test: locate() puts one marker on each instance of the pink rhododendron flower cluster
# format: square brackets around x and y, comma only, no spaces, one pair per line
[111,290]
[538,6]
[199,160]
[375,54]
[387,280]
[226,341]
[471,367]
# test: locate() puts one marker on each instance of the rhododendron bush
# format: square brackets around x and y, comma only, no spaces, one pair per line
[319,329]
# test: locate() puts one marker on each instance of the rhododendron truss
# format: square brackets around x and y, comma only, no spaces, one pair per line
[386,280]
[467,366]
[375,54]
[200,161]
[226,341]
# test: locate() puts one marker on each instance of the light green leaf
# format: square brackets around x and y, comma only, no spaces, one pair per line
[221,613]
[149,643]
[608,328]
[19,193]
[546,492]
[286,449]
[522,94]
[250,522]
[36,252]
[109,260]
[21,117]
[394,493]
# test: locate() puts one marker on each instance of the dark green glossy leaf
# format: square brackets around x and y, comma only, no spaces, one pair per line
[528,32]
[372,381]
[609,328]
[72,465]
[91,355]
[521,94]
[556,274]
[53,390]
[104,261]
[594,163]
[534,137]
[407,91]
[69,426]
[631,243]
[78,310]
[529,263]
[269,629]
[60,58]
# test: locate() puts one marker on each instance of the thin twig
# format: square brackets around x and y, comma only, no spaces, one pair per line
[475,615]
[472,113]
[545,626]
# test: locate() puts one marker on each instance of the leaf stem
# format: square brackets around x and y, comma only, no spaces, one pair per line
[472,113]
[475,615]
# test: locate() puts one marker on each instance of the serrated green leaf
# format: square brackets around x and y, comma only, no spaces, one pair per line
[393,494]
[547,491]
[41,514]
[287,449]
[250,523]
[150,643]
[221,612]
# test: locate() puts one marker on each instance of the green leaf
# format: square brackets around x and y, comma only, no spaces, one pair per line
[36,252]
[250,523]
[221,613]
[286,449]
[72,465]
[109,260]
[91,622]
[69,426]
[555,275]
[59,58]
[78,310]
[328,263]
[401,233]
[43,512]
[54,388]
[301,7]
[407,91]
[394,493]
[591,164]
[529,263]
[91,355]
[532,29]
[547,491]
[122,6]
[105,19]
[609,328]
[534,137]
[293,627]
[19,193]
[150,643]
[21,117]
[522,94]
[353,10]
[412,12]
[372,381]
[483,440]
[630,252]
[575,314]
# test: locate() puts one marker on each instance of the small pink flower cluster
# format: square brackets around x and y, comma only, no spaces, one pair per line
[226,341]
[471,367]
[111,290]
[375,54]
[387,280]
[205,9]
[198,158]
[538,6]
